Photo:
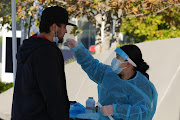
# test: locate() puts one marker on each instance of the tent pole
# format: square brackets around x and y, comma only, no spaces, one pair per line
[14,39]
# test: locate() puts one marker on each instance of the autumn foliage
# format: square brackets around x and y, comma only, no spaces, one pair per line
[140,19]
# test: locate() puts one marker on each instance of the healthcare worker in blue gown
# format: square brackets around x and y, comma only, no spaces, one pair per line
[124,88]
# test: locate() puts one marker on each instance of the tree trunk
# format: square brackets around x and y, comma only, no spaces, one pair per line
[98,33]
[107,30]
[118,22]
[115,43]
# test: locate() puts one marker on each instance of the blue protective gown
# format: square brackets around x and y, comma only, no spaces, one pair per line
[133,99]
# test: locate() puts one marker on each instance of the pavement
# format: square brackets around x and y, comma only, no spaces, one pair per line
[5,104]
[163,57]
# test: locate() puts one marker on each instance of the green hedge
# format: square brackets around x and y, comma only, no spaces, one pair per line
[151,27]
[5,86]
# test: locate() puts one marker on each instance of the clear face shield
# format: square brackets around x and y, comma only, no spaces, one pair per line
[117,57]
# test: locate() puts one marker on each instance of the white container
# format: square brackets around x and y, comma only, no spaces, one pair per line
[90,105]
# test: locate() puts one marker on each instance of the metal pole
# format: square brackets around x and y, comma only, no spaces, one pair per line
[14,40]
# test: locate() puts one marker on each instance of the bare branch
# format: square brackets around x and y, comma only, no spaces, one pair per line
[162,9]
[60,1]
[142,14]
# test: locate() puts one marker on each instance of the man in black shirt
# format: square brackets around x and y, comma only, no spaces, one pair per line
[40,85]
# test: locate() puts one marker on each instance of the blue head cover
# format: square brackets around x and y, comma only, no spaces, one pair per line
[124,56]
[121,53]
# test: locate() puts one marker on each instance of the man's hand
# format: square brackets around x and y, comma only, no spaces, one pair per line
[107,110]
[71,43]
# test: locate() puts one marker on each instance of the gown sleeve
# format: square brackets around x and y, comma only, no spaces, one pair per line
[91,66]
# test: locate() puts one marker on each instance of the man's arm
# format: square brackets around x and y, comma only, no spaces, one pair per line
[51,83]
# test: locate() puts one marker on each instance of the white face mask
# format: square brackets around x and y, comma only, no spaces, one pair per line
[115,65]
[55,39]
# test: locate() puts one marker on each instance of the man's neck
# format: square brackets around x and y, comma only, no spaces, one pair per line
[47,35]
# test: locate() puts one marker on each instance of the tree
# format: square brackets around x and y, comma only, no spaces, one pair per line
[163,21]
[105,12]
[4,13]
[99,11]
[29,11]
[26,12]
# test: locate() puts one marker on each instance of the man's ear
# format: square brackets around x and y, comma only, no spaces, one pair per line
[53,27]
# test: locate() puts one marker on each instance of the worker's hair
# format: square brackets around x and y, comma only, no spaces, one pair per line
[136,56]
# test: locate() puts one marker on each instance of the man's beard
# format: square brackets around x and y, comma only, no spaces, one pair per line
[61,40]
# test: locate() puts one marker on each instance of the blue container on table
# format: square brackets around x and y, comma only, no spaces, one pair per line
[76,109]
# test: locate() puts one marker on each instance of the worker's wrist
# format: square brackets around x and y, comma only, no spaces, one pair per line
[75,49]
